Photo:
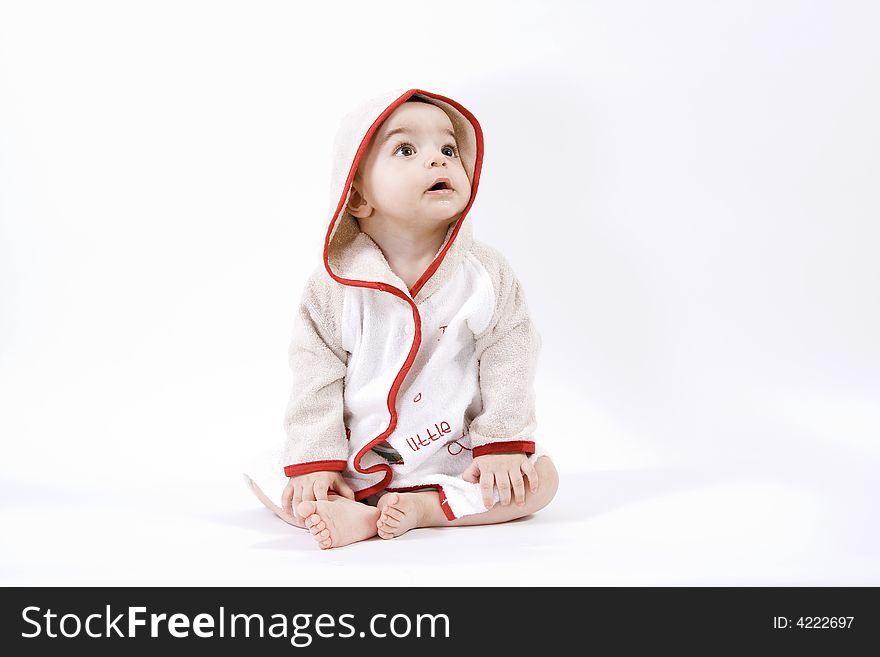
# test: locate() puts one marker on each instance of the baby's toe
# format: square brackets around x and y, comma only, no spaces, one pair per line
[388,521]
[394,512]
[306,508]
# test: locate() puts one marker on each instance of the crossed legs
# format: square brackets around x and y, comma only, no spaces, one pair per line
[340,521]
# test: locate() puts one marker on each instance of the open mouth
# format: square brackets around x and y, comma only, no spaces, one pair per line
[440,185]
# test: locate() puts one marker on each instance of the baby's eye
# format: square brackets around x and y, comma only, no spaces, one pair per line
[448,150]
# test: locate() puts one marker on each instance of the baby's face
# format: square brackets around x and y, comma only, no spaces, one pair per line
[412,148]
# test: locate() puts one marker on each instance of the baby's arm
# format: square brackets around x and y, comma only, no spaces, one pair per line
[507,351]
[313,420]
[502,434]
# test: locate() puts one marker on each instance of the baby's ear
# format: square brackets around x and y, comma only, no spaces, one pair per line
[357,206]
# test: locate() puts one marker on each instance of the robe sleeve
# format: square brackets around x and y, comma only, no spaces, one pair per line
[313,420]
[507,351]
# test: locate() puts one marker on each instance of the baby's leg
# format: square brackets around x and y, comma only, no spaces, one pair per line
[401,512]
[338,520]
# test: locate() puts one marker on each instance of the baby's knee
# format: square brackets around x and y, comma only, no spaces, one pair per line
[548,482]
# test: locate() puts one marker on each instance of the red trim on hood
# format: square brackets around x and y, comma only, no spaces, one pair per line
[478,163]
[414,348]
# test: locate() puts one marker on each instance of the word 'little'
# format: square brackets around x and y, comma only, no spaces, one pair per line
[417,442]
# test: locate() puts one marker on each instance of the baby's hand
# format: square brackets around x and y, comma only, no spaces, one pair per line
[313,486]
[502,470]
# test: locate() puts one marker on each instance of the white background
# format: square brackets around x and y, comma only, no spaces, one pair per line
[687,190]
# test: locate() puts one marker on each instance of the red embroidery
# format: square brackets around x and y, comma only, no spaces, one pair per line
[417,442]
[347,433]
[417,397]
[455,442]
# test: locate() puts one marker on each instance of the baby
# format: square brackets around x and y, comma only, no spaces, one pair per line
[413,351]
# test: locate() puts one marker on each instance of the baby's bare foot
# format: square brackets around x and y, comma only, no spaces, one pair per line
[399,512]
[338,522]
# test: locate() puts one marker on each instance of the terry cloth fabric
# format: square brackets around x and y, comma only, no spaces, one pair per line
[399,389]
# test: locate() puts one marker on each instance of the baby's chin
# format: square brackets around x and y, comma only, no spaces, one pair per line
[448,207]
[439,216]
[425,214]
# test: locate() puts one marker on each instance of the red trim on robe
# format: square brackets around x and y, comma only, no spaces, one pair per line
[526,446]
[296,469]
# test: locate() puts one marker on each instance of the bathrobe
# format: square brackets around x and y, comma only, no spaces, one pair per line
[399,388]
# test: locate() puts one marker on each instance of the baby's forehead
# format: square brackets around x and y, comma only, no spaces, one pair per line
[414,117]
